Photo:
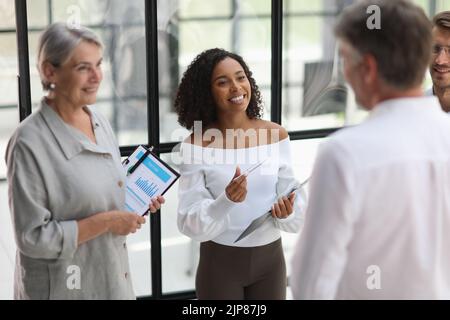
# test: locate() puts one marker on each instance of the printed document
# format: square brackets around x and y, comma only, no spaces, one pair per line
[152,177]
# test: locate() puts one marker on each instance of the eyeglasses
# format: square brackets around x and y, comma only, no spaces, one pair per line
[437,50]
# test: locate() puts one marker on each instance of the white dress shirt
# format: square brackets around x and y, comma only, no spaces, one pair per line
[429,92]
[378,221]
[204,211]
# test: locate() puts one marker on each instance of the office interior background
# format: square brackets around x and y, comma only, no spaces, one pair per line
[288,44]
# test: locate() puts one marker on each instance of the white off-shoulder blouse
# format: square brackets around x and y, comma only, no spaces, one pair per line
[204,211]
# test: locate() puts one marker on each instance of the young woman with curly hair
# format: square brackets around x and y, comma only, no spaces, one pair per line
[220,101]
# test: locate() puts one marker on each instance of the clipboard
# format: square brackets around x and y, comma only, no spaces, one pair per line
[258,222]
[148,176]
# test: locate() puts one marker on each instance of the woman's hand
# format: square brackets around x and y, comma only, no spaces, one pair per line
[284,207]
[156,204]
[236,190]
[117,222]
[123,223]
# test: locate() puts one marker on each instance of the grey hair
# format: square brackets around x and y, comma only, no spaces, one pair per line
[57,43]
[401,47]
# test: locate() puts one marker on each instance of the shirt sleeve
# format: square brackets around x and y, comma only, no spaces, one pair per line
[37,234]
[320,255]
[200,216]
[286,182]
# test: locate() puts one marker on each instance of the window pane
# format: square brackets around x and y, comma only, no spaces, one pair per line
[203,25]
[254,46]
[303,157]
[36,87]
[9,115]
[202,8]
[179,253]
[87,12]
[315,94]
[443,5]
[294,6]
[139,252]
[123,93]
[8,69]
[255,7]
[196,36]
[37,13]
[7,14]
[7,246]
[9,119]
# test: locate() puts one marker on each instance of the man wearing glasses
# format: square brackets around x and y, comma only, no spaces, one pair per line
[440,64]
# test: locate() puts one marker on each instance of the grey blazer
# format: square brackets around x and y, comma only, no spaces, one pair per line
[57,176]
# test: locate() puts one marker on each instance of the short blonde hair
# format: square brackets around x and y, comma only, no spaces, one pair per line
[442,20]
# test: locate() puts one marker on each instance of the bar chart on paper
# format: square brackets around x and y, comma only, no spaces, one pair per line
[139,192]
[147,187]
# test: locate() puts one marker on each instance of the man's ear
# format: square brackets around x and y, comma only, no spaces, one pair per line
[370,69]
[49,72]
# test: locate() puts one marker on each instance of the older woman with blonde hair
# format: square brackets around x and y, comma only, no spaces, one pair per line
[66,182]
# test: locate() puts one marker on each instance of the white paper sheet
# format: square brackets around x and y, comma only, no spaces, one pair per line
[151,178]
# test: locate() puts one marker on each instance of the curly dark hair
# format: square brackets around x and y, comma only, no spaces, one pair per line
[194,100]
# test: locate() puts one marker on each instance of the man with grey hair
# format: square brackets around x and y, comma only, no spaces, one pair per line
[378,221]
[440,63]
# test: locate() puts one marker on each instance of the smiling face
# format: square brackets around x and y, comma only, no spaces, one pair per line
[78,79]
[440,64]
[230,87]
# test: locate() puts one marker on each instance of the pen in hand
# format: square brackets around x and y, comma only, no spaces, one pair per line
[236,190]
